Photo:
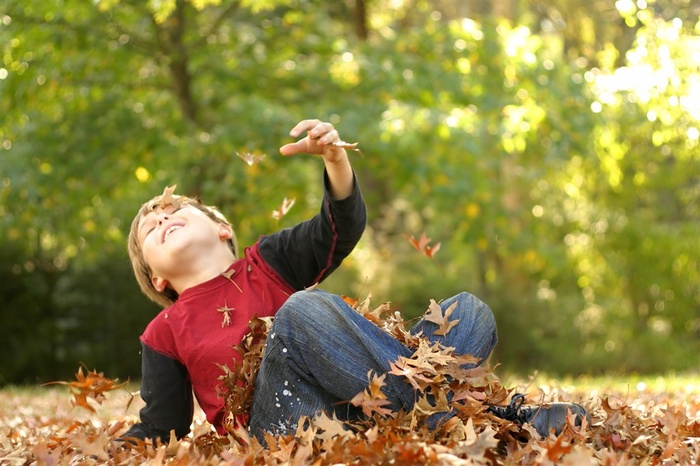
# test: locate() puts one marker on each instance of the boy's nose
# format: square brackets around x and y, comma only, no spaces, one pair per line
[162,217]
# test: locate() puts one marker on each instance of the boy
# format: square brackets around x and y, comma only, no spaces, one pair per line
[318,350]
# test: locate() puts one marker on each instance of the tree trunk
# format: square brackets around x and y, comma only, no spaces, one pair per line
[172,43]
[361,20]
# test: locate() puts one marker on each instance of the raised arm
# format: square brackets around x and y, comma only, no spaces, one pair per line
[308,252]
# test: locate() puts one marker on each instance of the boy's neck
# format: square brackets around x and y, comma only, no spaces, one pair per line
[201,274]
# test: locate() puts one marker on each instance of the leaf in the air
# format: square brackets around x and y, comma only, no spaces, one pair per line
[283,209]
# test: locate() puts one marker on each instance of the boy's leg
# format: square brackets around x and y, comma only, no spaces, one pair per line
[319,352]
[474,334]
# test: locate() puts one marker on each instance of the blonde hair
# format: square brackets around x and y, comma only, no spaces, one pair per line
[142,270]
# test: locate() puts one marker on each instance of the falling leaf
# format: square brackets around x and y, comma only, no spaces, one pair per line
[251,158]
[283,209]
[92,385]
[423,245]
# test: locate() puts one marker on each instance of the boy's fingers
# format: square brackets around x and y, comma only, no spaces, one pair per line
[304,125]
[293,148]
[319,135]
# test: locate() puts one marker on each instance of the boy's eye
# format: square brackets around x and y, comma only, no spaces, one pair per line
[149,227]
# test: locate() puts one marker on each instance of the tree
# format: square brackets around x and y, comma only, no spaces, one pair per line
[499,129]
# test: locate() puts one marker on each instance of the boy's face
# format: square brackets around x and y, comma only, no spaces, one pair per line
[177,240]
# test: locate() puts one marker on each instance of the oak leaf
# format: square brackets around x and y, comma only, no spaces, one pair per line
[167,199]
[372,399]
[435,315]
[92,385]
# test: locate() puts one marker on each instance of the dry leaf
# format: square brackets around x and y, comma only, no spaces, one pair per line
[372,399]
[251,158]
[283,209]
[91,386]
[423,245]
[347,145]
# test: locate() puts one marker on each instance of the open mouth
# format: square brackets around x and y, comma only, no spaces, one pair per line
[170,229]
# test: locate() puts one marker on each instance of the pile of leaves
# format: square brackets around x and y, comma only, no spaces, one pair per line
[657,429]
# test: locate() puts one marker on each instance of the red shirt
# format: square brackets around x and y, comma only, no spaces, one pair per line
[197,331]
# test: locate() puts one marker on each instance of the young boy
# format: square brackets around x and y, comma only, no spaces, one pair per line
[318,351]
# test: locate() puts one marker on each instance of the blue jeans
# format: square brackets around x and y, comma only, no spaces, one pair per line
[319,351]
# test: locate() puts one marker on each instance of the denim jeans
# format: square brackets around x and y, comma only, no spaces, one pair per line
[319,352]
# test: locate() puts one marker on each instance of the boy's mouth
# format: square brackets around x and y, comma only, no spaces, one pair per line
[169,230]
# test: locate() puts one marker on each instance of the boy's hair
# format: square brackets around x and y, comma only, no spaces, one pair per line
[142,270]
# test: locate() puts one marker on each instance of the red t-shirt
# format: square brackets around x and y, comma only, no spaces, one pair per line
[197,331]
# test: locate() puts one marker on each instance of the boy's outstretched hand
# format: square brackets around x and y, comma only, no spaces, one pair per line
[320,138]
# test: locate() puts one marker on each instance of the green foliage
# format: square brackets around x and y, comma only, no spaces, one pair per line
[562,185]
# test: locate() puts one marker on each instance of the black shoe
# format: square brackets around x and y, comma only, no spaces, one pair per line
[543,418]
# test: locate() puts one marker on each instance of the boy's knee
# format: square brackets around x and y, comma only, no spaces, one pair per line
[478,312]
[303,306]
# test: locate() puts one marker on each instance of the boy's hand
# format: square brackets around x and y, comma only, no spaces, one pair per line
[319,140]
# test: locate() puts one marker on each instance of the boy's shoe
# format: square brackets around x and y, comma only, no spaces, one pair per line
[543,418]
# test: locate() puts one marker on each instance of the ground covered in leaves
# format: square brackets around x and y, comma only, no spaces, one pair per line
[632,422]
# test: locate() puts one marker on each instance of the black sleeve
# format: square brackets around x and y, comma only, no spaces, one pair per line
[166,389]
[307,253]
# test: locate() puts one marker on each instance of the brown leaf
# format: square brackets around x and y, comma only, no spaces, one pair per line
[434,314]
[422,245]
[226,311]
[167,198]
[283,209]
[330,427]
[372,399]
[93,385]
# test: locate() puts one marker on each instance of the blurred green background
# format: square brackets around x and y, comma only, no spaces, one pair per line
[551,147]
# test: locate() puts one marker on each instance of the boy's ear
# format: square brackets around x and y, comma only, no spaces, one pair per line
[225,232]
[160,284]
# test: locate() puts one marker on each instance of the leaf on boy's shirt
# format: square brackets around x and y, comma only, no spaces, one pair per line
[423,245]
[251,157]
[92,385]
[283,209]
[226,311]
[228,274]
[434,314]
